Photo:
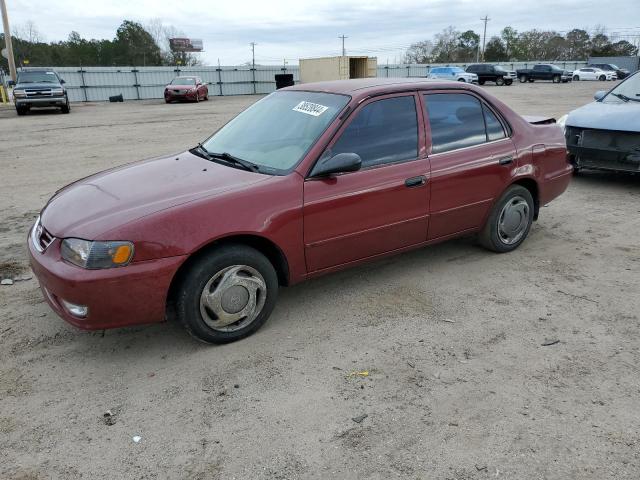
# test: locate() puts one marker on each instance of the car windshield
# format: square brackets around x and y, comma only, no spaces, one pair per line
[183,81]
[629,90]
[277,131]
[615,67]
[38,77]
[457,70]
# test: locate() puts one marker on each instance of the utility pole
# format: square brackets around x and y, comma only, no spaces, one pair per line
[253,64]
[7,40]
[343,36]
[484,36]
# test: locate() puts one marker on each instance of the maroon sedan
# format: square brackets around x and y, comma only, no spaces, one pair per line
[309,180]
[186,88]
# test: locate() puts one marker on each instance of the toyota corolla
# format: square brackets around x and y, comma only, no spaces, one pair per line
[309,180]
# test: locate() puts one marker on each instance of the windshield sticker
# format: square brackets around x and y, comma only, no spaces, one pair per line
[310,108]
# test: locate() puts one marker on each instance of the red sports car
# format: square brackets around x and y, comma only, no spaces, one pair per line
[311,179]
[186,88]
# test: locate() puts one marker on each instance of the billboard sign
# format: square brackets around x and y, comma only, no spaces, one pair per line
[182,44]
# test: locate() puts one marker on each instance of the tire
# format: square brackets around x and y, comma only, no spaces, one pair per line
[239,263]
[576,78]
[66,108]
[499,234]
[21,111]
[522,78]
[556,79]
[499,81]
[508,82]
[197,100]
[480,82]
[206,96]
[602,78]
[462,80]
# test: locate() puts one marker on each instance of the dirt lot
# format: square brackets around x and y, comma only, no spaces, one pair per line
[459,386]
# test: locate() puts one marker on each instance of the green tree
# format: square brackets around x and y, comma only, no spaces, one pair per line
[419,52]
[509,37]
[578,44]
[495,50]
[133,45]
[468,43]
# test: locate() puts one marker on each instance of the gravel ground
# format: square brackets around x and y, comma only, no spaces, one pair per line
[517,366]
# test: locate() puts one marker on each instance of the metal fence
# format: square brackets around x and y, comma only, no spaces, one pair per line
[92,84]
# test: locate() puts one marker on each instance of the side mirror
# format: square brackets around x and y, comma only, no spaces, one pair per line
[340,163]
[11,83]
[62,82]
[599,95]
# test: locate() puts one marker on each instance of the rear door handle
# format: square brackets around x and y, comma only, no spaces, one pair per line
[415,181]
[506,160]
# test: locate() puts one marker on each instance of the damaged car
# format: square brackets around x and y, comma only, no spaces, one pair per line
[605,134]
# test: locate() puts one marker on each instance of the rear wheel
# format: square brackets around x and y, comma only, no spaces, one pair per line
[576,78]
[500,81]
[509,222]
[508,82]
[227,294]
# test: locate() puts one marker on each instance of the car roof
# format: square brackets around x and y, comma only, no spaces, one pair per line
[376,86]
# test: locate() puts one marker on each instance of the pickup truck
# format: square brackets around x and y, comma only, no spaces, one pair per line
[544,72]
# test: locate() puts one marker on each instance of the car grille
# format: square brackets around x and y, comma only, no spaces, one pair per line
[38,93]
[607,149]
[41,237]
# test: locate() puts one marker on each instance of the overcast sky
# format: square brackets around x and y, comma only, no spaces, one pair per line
[308,28]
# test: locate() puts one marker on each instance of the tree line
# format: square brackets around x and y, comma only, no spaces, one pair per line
[453,46]
[133,44]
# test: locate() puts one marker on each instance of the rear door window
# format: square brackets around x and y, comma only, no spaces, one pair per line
[459,120]
[384,131]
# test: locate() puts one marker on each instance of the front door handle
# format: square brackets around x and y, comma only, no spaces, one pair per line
[506,160]
[415,181]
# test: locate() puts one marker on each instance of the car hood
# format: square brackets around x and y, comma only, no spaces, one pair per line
[96,204]
[607,116]
[181,87]
[38,85]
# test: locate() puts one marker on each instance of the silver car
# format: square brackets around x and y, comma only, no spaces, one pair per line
[605,134]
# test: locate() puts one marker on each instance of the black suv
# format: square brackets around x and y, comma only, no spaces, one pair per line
[610,67]
[39,88]
[490,73]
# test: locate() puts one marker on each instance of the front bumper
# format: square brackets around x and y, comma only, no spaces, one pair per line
[41,102]
[186,95]
[603,149]
[115,297]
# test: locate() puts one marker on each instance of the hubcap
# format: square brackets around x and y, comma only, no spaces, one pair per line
[233,298]
[513,220]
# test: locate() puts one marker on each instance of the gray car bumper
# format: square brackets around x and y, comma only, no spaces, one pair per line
[41,102]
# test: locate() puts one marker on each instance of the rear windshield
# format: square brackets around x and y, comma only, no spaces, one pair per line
[38,77]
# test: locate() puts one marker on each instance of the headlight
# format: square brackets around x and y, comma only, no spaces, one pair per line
[19,93]
[96,255]
[57,91]
[562,121]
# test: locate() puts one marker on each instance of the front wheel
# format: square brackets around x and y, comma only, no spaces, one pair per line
[21,110]
[522,78]
[508,82]
[499,81]
[602,78]
[480,82]
[509,222]
[556,79]
[227,294]
[66,108]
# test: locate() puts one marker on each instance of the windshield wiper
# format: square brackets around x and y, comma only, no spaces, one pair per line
[621,96]
[228,158]
[247,165]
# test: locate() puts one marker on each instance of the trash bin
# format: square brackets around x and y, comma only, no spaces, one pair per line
[116,98]
[284,80]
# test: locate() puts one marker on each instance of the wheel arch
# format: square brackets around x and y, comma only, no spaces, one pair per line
[531,185]
[265,246]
